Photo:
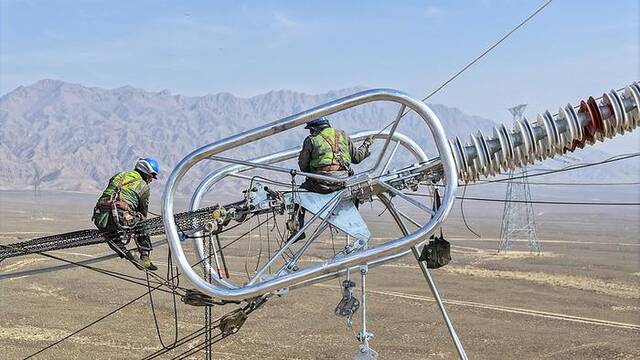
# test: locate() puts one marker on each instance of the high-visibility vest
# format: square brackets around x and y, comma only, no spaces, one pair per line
[131,185]
[330,147]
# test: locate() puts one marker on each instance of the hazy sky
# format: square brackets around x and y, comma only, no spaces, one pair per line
[572,49]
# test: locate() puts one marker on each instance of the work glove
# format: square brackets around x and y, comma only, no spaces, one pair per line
[368,141]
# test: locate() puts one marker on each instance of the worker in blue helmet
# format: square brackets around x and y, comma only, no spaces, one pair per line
[125,202]
[329,151]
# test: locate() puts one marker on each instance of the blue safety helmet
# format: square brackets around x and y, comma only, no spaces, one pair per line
[321,121]
[148,166]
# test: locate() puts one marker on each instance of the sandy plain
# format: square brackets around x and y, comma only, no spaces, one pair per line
[580,299]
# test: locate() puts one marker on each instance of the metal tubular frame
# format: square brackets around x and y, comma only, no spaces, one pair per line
[224,292]
[399,139]
[328,207]
[235,170]
[391,156]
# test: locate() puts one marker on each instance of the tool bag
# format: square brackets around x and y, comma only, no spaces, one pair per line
[437,253]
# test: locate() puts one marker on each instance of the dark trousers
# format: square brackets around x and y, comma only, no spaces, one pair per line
[103,219]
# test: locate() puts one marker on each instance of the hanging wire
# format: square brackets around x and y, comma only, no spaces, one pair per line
[260,238]
[614,158]
[169,278]
[114,311]
[464,219]
[268,241]
[246,258]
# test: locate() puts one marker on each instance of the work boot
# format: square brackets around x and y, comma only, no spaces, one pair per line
[147,264]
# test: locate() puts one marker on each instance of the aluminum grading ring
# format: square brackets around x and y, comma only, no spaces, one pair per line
[363,256]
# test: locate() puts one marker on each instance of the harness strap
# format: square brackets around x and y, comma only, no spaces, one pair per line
[121,183]
[335,148]
[122,205]
[116,203]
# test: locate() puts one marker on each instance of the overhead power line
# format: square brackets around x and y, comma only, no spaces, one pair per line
[475,60]
[584,184]
[488,50]
[576,203]
[564,169]
[586,203]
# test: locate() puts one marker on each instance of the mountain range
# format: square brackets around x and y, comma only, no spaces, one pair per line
[76,137]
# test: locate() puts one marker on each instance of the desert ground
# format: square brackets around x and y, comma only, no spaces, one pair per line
[578,300]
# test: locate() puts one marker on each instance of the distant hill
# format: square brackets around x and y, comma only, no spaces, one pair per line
[83,135]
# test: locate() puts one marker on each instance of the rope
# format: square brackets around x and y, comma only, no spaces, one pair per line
[464,219]
[92,323]
[179,343]
[170,277]
[202,331]
[114,274]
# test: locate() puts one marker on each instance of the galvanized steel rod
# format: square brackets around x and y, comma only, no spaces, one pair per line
[293,261]
[331,204]
[391,156]
[386,142]
[443,311]
[278,169]
[406,198]
[267,181]
[427,274]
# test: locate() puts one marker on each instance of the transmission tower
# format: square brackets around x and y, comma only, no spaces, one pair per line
[37,212]
[518,220]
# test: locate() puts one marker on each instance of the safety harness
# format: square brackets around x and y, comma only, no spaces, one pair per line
[130,218]
[337,163]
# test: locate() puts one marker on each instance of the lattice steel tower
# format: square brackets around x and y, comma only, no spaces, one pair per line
[518,220]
